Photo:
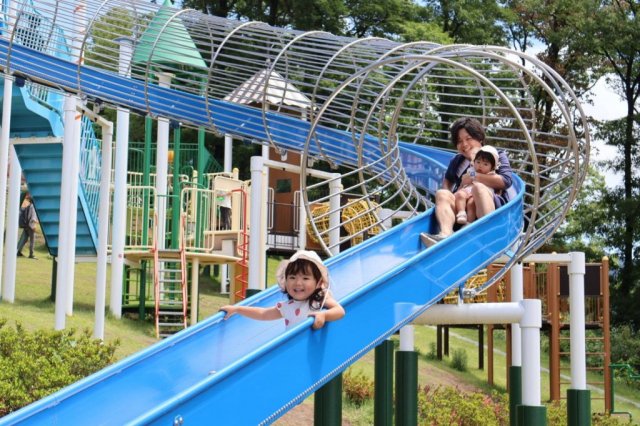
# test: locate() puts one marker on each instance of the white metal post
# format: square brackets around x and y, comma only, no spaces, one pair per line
[119,213]
[517,294]
[4,158]
[530,324]
[576,270]
[68,213]
[162,165]
[103,229]
[407,339]
[335,188]
[228,155]
[74,175]
[302,223]
[11,241]
[255,222]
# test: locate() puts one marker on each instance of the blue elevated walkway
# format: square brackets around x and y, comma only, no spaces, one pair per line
[231,372]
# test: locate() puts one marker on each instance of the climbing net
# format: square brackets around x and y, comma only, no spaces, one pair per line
[346,104]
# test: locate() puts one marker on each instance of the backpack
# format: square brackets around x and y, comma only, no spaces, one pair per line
[23,221]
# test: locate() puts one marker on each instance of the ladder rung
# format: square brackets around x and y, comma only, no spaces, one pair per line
[170,270]
[586,353]
[586,338]
[171,313]
[170,291]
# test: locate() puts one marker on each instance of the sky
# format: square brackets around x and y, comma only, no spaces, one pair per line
[607,105]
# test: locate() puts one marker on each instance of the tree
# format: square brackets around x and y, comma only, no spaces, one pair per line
[589,213]
[622,228]
[616,31]
[470,21]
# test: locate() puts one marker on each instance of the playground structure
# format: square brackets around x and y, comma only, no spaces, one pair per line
[373,121]
[549,282]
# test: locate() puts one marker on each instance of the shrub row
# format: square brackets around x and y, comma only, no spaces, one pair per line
[36,364]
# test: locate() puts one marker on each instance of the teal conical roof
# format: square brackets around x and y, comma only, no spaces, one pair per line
[173,44]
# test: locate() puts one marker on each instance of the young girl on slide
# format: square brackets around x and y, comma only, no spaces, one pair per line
[305,280]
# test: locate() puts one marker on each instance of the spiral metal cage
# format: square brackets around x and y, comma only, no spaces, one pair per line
[376,91]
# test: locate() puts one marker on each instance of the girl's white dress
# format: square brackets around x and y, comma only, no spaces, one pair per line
[293,311]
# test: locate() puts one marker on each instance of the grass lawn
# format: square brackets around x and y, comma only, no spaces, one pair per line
[34,309]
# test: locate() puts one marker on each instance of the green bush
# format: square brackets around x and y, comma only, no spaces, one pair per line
[357,388]
[433,351]
[459,360]
[450,406]
[557,415]
[36,364]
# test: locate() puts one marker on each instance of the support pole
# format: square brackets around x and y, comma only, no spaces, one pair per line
[225,281]
[162,164]
[327,405]
[120,188]
[4,161]
[531,412]
[68,214]
[406,380]
[103,229]
[578,397]
[255,225]
[335,188]
[383,391]
[11,242]
[515,369]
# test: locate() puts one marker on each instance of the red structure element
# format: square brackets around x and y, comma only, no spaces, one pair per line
[242,277]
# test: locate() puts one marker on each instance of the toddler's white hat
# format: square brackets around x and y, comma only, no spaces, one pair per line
[491,150]
[309,255]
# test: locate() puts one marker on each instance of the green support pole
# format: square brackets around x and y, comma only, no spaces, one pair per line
[515,393]
[528,415]
[175,196]
[146,178]
[383,391]
[578,407]
[146,204]
[200,200]
[142,293]
[406,388]
[251,291]
[327,406]
[54,279]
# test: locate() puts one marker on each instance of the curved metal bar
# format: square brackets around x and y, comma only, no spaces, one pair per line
[215,55]
[270,70]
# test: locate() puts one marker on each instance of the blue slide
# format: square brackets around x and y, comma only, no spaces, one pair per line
[242,371]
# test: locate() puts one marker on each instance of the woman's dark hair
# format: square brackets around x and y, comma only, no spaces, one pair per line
[471,125]
[486,156]
[305,266]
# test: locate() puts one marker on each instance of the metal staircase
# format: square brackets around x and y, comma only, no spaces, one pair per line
[42,167]
[36,132]
[170,288]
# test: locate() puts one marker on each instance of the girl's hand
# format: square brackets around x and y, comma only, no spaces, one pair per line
[319,319]
[229,309]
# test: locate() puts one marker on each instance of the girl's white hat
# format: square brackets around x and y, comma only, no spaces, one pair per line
[309,255]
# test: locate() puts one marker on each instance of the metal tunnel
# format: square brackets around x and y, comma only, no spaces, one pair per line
[377,92]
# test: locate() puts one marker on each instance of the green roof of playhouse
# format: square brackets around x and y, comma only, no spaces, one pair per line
[173,44]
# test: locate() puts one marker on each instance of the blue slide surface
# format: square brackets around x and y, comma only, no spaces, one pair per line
[242,371]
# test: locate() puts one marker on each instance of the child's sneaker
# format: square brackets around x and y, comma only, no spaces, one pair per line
[461,218]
